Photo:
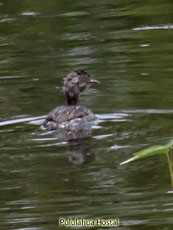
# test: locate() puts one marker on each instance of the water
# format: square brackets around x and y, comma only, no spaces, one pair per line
[127,46]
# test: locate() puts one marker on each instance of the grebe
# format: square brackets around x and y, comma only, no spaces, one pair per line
[72,117]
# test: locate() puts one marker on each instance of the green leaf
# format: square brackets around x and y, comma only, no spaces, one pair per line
[151,151]
[154,150]
[170,145]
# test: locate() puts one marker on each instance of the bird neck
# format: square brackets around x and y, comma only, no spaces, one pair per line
[73,100]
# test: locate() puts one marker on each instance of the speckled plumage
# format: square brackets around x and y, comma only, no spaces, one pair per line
[66,113]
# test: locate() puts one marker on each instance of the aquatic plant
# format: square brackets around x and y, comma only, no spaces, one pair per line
[156,150]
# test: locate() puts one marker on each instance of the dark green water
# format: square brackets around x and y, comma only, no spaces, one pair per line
[127,46]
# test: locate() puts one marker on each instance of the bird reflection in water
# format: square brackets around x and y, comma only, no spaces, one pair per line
[79,151]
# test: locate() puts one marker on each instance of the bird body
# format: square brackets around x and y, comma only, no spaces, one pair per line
[68,113]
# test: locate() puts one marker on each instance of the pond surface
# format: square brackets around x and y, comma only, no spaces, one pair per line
[127,46]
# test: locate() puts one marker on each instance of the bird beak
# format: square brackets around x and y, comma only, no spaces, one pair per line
[92,81]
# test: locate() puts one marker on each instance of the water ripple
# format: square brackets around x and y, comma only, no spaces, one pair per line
[23,119]
[162,27]
[150,111]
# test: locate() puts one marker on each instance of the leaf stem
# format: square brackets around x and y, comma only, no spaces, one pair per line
[170,167]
